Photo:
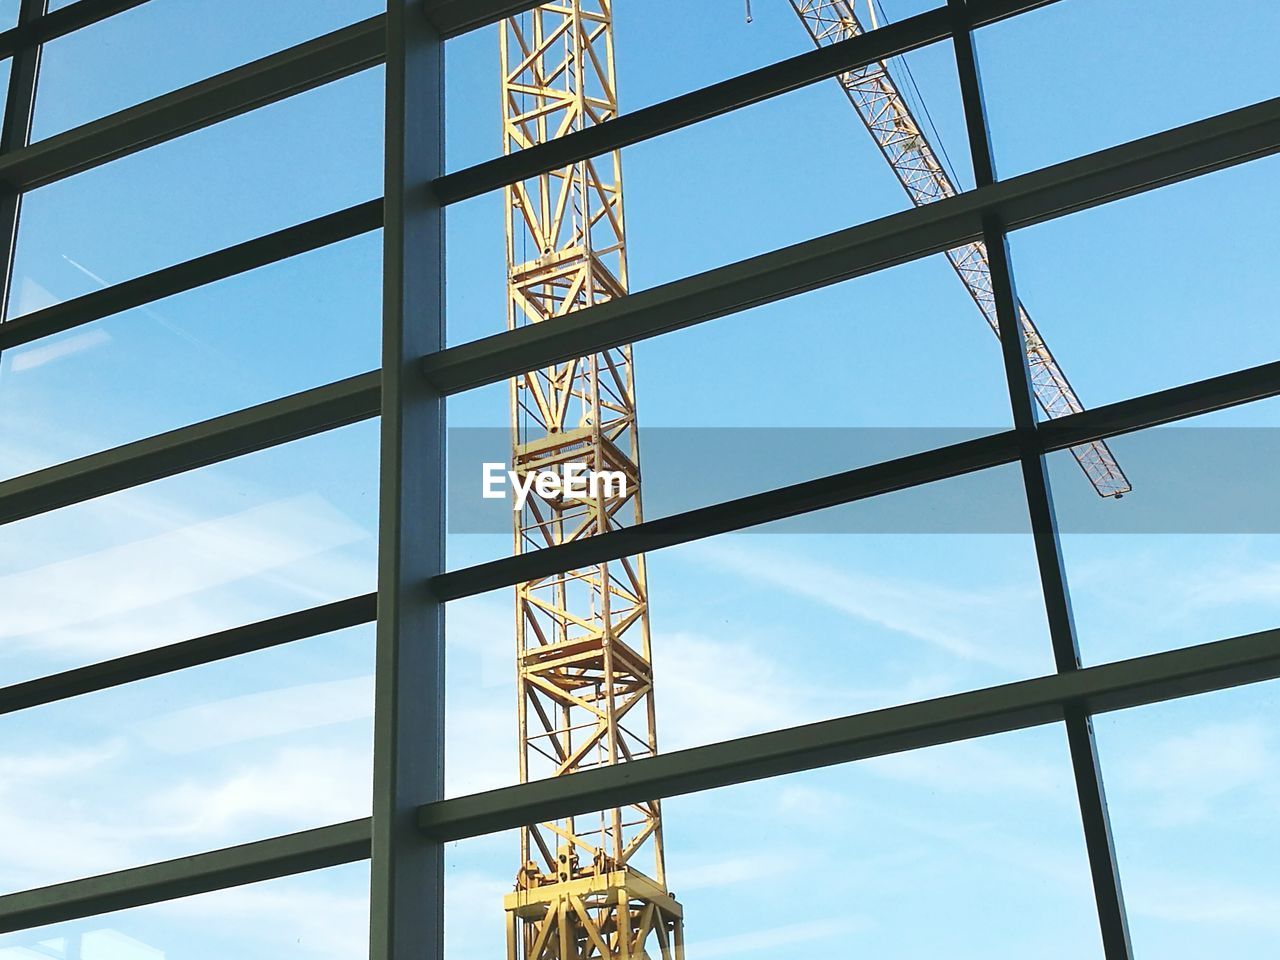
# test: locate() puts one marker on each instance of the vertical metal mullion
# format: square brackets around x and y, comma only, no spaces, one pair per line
[406,886]
[15,133]
[1079,725]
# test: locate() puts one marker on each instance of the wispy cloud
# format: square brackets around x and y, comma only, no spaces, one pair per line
[296,784]
[266,713]
[779,937]
[37,355]
[70,819]
[323,916]
[940,616]
[1137,593]
[1183,900]
[165,587]
[1181,779]
[975,766]
[49,599]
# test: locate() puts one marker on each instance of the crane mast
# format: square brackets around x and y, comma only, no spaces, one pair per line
[590,886]
[875,95]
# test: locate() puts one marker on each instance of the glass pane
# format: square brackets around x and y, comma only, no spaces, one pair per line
[1191,554]
[721,191]
[272,168]
[244,749]
[281,329]
[317,916]
[1072,78]
[1160,289]
[913,595]
[655,62]
[970,850]
[156,47]
[226,545]
[879,367]
[1192,786]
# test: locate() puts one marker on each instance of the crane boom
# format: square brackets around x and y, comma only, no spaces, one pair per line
[875,95]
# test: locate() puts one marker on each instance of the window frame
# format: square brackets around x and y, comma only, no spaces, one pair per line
[411,819]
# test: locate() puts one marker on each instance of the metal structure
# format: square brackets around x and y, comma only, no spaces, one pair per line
[875,95]
[404,837]
[584,670]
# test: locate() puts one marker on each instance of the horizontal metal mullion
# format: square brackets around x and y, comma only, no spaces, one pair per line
[1172,156]
[60,22]
[164,455]
[687,109]
[981,13]
[452,18]
[893,39]
[168,281]
[1013,706]
[1031,198]
[725,290]
[729,516]
[1100,423]
[1163,406]
[275,77]
[284,856]
[189,653]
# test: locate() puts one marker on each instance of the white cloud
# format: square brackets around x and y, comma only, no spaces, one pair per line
[294,916]
[87,811]
[473,913]
[19,769]
[778,938]
[709,873]
[254,715]
[974,766]
[29,357]
[179,583]
[48,601]
[294,787]
[1182,776]
[1137,593]
[1200,900]
[710,690]
[980,627]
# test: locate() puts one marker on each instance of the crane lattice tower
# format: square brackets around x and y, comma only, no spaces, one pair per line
[588,886]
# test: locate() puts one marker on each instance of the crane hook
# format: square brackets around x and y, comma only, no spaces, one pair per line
[748,11]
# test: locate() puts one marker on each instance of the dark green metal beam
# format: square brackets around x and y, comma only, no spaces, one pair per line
[164,455]
[188,876]
[280,75]
[690,108]
[189,653]
[210,268]
[60,22]
[407,871]
[942,463]
[1092,180]
[1013,706]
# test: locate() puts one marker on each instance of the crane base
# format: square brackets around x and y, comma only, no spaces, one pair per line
[612,916]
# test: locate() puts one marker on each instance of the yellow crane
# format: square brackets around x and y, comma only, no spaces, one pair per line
[875,94]
[588,886]
[595,886]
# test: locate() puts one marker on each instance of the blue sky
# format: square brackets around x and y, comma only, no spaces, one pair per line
[973,848]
